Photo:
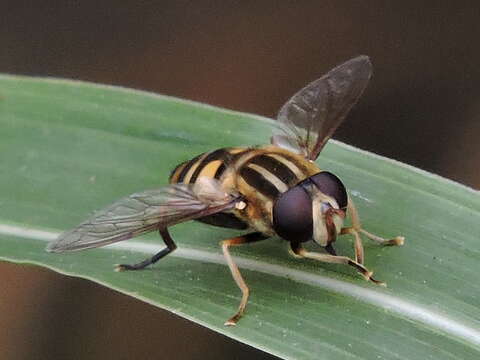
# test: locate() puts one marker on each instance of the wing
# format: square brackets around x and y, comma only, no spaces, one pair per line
[147,211]
[313,114]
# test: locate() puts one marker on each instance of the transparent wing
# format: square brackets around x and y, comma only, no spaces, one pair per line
[146,211]
[313,114]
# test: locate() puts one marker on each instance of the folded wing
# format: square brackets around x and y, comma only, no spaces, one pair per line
[146,211]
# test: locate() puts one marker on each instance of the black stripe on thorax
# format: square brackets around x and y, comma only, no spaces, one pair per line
[275,167]
[259,183]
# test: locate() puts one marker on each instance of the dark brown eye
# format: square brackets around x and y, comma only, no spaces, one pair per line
[292,215]
[331,185]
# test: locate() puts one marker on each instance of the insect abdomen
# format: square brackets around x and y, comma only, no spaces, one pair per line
[212,165]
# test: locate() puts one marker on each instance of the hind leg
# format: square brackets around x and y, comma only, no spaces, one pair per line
[171,246]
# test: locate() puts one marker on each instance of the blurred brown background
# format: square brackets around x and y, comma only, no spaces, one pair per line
[422,108]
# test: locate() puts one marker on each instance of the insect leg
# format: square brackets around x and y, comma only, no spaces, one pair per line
[330,249]
[240,240]
[331,229]
[332,259]
[359,253]
[171,246]
[398,240]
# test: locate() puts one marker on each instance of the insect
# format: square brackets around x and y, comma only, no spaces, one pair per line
[272,190]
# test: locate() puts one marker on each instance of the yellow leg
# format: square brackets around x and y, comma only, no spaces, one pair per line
[356,225]
[240,240]
[359,253]
[333,259]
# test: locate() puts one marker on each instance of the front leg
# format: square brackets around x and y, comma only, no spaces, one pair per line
[357,228]
[359,252]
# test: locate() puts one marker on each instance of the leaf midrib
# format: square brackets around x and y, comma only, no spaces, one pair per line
[451,327]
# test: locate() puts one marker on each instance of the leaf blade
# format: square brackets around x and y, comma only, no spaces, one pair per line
[98,139]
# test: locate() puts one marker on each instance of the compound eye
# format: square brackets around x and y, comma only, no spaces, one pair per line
[331,185]
[292,215]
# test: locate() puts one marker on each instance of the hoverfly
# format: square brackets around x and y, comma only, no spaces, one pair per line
[272,190]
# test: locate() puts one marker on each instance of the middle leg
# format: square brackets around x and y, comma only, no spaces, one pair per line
[240,240]
[298,250]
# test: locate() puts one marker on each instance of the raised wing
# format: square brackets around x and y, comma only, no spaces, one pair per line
[313,114]
[147,211]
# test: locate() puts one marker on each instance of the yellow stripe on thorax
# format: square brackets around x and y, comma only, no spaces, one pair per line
[279,184]
[294,168]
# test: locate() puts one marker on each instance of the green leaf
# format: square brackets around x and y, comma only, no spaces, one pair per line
[68,148]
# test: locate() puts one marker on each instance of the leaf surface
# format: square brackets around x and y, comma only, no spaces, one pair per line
[68,148]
